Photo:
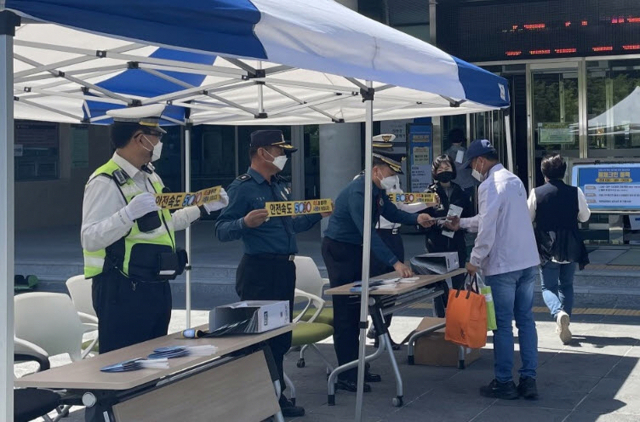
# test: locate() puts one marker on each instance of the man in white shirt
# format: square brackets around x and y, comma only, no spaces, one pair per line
[128,242]
[505,250]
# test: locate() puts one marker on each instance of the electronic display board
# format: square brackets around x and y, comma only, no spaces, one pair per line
[515,30]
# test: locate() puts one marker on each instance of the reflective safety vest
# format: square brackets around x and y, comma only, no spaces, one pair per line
[135,254]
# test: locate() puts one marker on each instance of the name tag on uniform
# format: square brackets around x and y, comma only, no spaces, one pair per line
[411,198]
[294,208]
[177,200]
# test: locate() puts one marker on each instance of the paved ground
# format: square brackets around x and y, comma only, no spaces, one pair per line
[596,378]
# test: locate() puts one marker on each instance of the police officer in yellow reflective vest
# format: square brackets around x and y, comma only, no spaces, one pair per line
[128,242]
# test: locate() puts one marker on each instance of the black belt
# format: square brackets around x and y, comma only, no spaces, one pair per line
[393,231]
[277,257]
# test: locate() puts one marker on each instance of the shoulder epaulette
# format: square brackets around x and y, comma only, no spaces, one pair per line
[243,177]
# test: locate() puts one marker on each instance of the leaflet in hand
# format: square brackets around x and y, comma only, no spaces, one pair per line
[454,211]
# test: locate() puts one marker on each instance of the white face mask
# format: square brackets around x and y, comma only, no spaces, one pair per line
[390,183]
[156,150]
[477,175]
[279,161]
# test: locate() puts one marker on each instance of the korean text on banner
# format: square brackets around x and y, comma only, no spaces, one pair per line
[294,208]
[176,200]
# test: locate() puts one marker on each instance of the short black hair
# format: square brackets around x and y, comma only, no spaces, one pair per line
[553,167]
[253,150]
[440,160]
[122,132]
[456,136]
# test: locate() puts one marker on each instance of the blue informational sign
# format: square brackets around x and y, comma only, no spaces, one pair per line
[420,156]
[609,187]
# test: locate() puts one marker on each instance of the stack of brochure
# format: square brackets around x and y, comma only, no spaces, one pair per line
[136,364]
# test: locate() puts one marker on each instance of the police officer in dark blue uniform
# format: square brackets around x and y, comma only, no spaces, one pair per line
[267,270]
[342,253]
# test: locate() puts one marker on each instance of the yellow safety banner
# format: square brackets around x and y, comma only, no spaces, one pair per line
[410,198]
[176,200]
[294,208]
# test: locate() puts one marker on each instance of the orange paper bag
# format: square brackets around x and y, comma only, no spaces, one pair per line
[466,319]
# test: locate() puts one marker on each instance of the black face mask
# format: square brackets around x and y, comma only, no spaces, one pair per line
[444,177]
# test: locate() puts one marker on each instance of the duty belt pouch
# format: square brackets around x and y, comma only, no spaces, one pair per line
[171,264]
[168,266]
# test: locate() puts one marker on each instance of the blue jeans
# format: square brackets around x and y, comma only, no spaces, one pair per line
[513,297]
[556,281]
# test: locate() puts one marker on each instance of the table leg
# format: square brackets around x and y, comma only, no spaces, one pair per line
[381,329]
[386,341]
[415,336]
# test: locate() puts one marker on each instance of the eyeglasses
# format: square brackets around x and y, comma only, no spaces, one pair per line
[153,133]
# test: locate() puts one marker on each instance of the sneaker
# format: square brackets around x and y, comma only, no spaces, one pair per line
[527,388]
[289,410]
[500,390]
[562,329]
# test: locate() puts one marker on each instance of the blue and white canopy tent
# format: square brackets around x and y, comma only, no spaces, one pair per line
[234,62]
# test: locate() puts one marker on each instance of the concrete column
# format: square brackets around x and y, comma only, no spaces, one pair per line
[340,158]
[340,155]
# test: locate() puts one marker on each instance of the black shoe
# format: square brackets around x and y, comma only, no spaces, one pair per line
[289,410]
[527,388]
[351,386]
[500,390]
[369,377]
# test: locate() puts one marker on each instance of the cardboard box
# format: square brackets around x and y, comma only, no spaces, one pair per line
[436,263]
[434,350]
[264,315]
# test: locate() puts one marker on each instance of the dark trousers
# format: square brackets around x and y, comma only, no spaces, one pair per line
[270,277]
[344,265]
[129,312]
[393,242]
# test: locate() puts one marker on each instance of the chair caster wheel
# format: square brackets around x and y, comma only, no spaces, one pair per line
[397,401]
[331,399]
[300,363]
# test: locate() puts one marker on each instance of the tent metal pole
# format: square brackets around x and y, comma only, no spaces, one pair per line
[187,186]
[366,247]
[507,132]
[260,93]
[8,22]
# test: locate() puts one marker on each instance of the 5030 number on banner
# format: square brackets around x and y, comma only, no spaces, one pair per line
[293,208]
[410,198]
[176,200]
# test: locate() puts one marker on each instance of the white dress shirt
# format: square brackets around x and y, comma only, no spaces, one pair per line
[505,240]
[104,220]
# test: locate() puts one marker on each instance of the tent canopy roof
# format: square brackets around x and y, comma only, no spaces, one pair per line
[234,62]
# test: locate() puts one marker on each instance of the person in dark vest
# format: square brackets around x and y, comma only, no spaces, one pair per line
[555,211]
[443,171]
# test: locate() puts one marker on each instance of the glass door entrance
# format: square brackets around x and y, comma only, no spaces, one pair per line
[554,117]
